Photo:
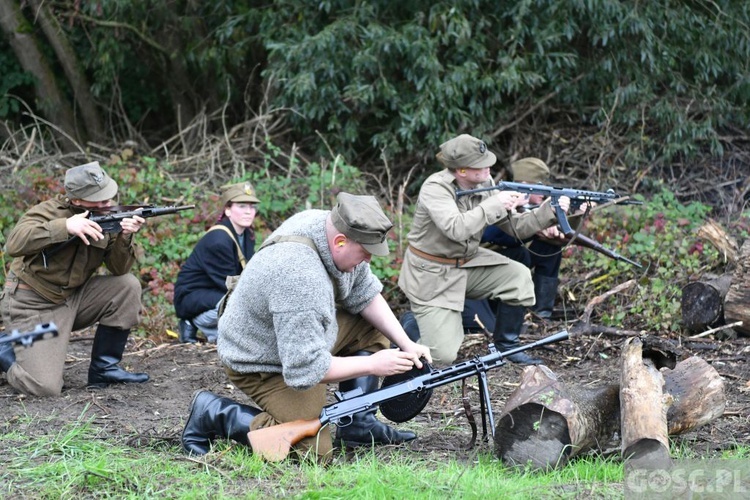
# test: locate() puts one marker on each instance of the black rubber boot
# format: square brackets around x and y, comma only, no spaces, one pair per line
[109,344]
[545,289]
[7,356]
[213,417]
[508,326]
[365,429]
[410,326]
[188,332]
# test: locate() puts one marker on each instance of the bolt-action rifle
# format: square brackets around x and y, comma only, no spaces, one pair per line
[577,198]
[274,443]
[40,332]
[109,220]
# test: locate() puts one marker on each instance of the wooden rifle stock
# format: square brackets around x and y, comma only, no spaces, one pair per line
[274,443]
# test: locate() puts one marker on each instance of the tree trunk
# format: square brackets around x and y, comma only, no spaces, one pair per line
[703,303]
[26,48]
[698,395]
[737,301]
[73,71]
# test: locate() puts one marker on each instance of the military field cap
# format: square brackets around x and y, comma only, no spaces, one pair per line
[242,192]
[465,151]
[89,183]
[532,170]
[361,219]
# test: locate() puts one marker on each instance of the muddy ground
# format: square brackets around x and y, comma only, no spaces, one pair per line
[153,414]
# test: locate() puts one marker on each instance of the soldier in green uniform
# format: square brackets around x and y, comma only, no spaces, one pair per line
[52,283]
[444,263]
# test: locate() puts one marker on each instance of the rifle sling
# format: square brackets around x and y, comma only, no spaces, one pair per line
[240,254]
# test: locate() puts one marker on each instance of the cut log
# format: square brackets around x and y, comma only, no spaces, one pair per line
[703,303]
[643,409]
[545,422]
[737,301]
[698,395]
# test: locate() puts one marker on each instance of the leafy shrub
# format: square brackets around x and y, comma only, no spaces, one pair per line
[660,234]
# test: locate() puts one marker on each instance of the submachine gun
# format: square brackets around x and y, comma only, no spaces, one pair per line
[40,332]
[400,398]
[577,198]
[109,220]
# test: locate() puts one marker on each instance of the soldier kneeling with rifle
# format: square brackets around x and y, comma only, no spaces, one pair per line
[308,311]
[57,249]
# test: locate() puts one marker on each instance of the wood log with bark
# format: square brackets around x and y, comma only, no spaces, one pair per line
[643,408]
[546,422]
[703,302]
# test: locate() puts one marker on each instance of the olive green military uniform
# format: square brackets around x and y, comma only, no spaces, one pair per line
[444,263]
[45,286]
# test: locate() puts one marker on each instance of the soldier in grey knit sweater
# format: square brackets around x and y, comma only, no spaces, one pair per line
[308,311]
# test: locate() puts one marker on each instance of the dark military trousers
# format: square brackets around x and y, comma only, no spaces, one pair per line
[280,403]
[113,301]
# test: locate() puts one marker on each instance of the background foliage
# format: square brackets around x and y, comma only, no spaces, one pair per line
[307,98]
[669,78]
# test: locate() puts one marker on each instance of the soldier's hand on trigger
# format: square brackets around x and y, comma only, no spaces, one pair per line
[79,225]
[511,199]
[132,224]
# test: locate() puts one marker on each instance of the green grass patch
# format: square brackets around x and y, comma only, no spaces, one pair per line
[81,460]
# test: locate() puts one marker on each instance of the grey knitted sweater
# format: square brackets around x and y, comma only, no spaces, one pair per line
[281,318]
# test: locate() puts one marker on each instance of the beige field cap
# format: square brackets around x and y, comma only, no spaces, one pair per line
[242,192]
[89,183]
[531,170]
[465,151]
[361,219]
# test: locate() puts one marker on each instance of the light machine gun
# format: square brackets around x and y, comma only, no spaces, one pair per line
[40,332]
[400,401]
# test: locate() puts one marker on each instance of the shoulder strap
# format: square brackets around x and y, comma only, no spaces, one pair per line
[294,238]
[236,243]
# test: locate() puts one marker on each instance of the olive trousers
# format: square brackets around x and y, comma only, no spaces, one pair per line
[442,329]
[113,301]
[280,403]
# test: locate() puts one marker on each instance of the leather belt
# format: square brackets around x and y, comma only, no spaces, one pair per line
[435,258]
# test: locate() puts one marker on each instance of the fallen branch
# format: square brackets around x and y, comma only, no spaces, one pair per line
[712,330]
[601,298]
